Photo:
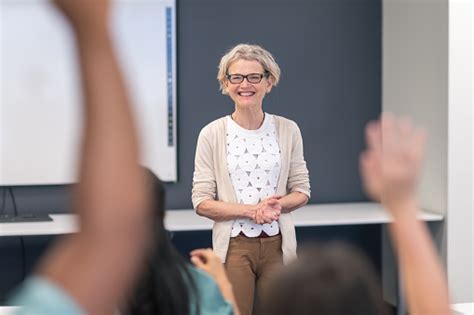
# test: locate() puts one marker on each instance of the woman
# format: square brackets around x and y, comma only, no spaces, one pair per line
[250,174]
[170,285]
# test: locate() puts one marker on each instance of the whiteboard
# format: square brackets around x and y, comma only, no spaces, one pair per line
[40,113]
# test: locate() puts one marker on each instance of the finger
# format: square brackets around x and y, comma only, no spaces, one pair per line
[197,262]
[371,130]
[390,133]
[373,138]
[274,203]
[202,253]
[210,255]
[262,215]
[371,175]
[197,251]
[275,211]
[206,254]
[258,216]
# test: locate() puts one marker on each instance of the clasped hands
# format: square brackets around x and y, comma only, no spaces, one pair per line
[267,210]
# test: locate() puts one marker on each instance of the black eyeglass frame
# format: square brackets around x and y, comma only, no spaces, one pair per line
[265,74]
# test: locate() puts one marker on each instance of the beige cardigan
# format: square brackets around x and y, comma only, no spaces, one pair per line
[211,180]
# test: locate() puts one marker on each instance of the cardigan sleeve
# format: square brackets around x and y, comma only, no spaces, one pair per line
[204,181]
[298,177]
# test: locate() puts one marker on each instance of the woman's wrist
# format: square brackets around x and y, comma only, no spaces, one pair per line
[250,211]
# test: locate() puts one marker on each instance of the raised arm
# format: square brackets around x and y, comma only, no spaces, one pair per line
[96,266]
[390,168]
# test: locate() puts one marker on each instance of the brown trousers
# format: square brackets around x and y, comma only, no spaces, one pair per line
[250,264]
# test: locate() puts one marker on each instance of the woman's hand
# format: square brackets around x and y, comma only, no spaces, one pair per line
[268,210]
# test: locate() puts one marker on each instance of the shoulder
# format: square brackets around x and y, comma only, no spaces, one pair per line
[285,123]
[38,295]
[214,127]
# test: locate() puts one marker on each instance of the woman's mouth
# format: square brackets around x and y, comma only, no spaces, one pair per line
[246,94]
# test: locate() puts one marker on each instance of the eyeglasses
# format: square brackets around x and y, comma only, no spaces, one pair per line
[251,77]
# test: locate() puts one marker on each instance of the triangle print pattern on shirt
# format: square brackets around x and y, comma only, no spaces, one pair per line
[254,163]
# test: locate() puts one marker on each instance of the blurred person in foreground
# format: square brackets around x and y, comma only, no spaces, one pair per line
[169,284]
[91,271]
[337,279]
[122,257]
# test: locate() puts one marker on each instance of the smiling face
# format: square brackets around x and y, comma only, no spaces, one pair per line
[247,95]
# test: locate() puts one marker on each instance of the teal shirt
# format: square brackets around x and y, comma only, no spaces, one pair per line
[40,296]
[211,300]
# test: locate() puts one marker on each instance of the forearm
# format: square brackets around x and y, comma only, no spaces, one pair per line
[110,139]
[223,211]
[293,201]
[105,254]
[227,292]
[426,287]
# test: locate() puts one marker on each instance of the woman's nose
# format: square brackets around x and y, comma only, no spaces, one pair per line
[245,82]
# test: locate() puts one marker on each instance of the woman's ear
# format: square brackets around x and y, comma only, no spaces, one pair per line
[269,85]
[224,87]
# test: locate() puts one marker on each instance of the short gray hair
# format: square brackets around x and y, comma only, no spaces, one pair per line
[248,52]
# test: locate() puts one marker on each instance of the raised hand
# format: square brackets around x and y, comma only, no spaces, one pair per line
[112,197]
[391,163]
[390,167]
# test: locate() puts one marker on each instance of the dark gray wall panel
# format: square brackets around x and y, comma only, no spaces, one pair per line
[330,55]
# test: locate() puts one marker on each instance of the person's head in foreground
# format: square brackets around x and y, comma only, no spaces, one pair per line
[331,279]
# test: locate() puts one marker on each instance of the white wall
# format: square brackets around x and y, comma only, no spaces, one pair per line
[415,82]
[460,225]
[427,75]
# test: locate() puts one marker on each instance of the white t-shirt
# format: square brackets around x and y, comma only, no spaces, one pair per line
[254,162]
